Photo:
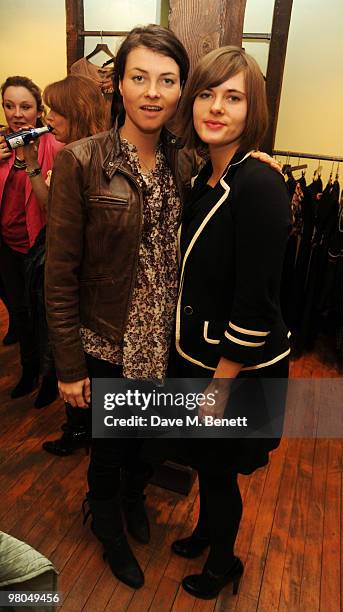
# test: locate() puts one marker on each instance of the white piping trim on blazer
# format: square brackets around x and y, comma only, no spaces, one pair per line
[268,363]
[190,246]
[243,342]
[249,332]
[193,179]
[209,340]
[179,245]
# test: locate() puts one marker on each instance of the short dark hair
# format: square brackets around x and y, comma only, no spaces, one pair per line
[158,39]
[212,70]
[22,81]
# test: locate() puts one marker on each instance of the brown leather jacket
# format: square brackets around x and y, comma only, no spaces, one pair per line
[94,229]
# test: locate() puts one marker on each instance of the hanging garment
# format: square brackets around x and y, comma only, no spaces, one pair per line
[326,219]
[289,278]
[330,302]
[101,76]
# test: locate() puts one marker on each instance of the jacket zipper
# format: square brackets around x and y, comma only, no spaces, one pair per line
[134,275]
[105,198]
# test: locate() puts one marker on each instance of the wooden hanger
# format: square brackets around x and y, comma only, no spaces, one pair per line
[100,47]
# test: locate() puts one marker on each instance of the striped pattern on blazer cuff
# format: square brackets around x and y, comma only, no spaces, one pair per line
[242,336]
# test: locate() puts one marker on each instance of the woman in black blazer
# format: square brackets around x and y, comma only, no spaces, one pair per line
[228,323]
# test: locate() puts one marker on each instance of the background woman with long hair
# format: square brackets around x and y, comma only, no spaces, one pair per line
[77,110]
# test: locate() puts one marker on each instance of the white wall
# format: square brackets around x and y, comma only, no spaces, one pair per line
[33,40]
[121,15]
[33,34]
[310,118]
[310,115]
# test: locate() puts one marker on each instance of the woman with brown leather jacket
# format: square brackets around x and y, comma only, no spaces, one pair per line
[111,275]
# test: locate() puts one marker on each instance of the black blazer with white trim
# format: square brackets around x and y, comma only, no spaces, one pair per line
[232,243]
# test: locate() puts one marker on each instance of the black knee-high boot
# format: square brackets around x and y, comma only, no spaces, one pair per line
[107,525]
[11,335]
[132,487]
[48,392]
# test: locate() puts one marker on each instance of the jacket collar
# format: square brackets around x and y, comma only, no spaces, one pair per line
[114,157]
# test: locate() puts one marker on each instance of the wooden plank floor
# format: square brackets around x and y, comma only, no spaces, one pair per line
[290,538]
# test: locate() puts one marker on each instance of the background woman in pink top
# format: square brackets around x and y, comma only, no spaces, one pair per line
[22,212]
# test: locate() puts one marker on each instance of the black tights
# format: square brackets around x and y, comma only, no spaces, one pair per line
[219,517]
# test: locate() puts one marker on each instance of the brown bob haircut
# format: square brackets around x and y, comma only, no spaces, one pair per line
[212,70]
[157,39]
[79,100]
[21,81]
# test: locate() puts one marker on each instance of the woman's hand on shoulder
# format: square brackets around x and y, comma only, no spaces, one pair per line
[5,152]
[267,159]
[77,393]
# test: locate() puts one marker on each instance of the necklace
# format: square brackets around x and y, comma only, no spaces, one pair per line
[145,166]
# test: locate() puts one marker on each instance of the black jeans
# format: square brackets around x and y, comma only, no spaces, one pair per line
[12,270]
[109,456]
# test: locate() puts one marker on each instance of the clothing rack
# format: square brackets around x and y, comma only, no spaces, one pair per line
[248,36]
[101,33]
[307,156]
[255,36]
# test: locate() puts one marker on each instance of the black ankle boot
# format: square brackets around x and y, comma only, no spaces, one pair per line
[133,497]
[27,383]
[47,393]
[208,585]
[190,547]
[76,433]
[68,443]
[108,527]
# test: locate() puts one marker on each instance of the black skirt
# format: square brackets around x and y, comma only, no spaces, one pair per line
[260,395]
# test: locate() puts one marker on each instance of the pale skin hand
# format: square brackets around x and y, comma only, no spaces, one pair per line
[267,159]
[77,394]
[5,153]
[30,153]
[220,386]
